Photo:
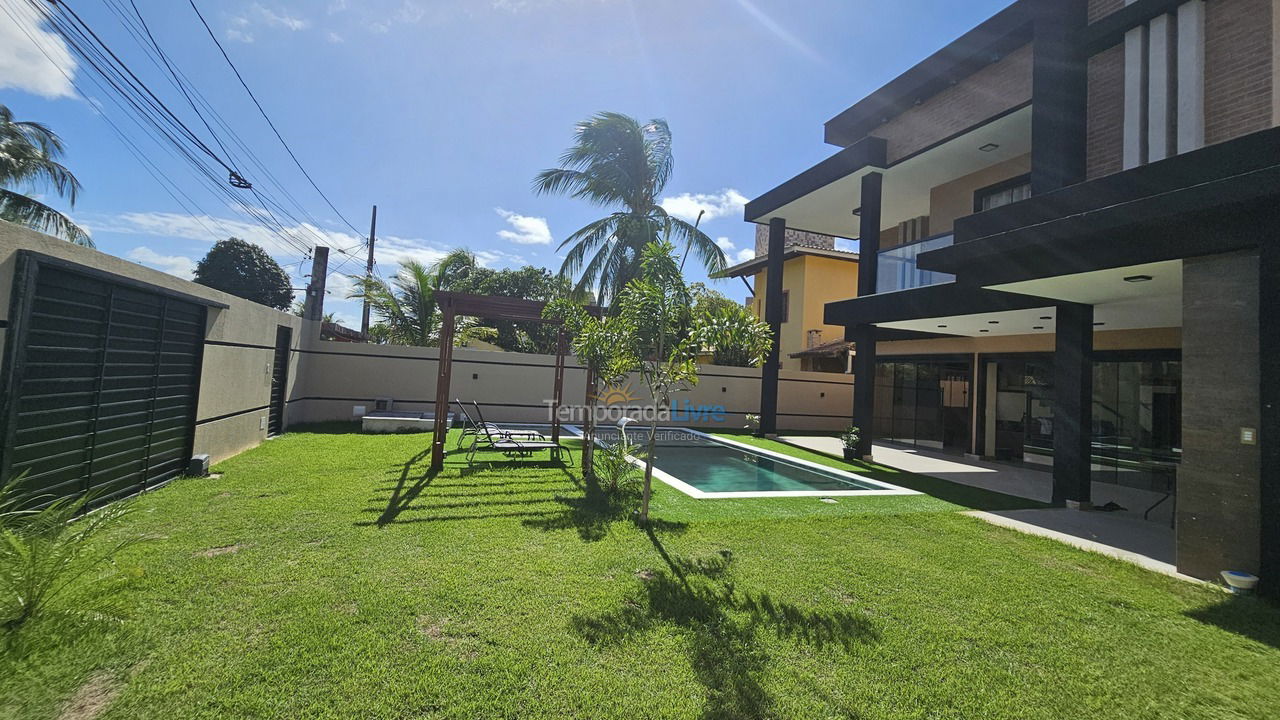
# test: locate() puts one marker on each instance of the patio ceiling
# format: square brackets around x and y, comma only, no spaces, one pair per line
[1119,303]
[823,198]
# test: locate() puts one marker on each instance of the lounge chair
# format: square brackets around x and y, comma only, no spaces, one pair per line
[471,428]
[486,439]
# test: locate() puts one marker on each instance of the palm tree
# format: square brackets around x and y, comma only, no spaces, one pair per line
[406,306]
[29,154]
[615,162]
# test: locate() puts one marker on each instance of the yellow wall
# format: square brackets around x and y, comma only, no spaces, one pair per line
[811,282]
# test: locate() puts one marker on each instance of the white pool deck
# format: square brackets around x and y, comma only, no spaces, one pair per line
[1122,535]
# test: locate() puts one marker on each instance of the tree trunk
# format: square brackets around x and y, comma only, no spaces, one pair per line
[648,470]
[589,437]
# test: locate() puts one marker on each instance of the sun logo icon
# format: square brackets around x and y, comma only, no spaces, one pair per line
[616,395]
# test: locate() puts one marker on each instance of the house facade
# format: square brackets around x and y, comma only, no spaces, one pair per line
[1066,221]
[814,273]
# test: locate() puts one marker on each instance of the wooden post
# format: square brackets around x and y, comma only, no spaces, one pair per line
[558,395]
[589,424]
[444,366]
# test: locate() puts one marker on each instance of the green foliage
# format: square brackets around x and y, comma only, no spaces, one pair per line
[613,467]
[616,162]
[733,335]
[50,554]
[29,153]
[529,283]
[406,307]
[245,270]
[850,437]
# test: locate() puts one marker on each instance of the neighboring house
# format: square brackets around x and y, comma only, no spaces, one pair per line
[1074,207]
[814,273]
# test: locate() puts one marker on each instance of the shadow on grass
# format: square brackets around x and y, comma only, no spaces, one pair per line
[1252,617]
[595,510]
[720,624]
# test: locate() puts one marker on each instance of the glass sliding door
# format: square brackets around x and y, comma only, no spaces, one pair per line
[1137,428]
[924,404]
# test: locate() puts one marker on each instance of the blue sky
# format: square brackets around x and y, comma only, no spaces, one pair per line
[442,111]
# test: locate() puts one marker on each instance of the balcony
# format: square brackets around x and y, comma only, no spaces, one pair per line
[896,268]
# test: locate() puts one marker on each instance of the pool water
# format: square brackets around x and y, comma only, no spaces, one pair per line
[712,466]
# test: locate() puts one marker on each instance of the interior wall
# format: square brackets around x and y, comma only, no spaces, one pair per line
[955,199]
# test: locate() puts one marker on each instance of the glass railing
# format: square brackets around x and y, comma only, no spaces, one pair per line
[897,270]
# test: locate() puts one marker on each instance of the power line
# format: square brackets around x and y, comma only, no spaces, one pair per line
[266,117]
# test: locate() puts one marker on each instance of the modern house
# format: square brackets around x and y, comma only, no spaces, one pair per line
[1073,208]
[814,273]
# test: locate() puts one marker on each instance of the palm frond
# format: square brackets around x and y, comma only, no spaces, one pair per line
[22,210]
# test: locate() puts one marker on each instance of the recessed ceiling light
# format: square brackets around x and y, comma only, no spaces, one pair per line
[1038,327]
[1138,278]
[989,147]
[984,331]
[993,322]
[1046,317]
[942,326]
[1099,324]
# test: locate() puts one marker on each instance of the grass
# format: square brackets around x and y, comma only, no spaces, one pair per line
[328,575]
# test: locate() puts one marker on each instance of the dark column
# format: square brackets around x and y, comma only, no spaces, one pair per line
[313,306]
[869,233]
[772,316]
[864,383]
[1269,426]
[1073,404]
[1059,78]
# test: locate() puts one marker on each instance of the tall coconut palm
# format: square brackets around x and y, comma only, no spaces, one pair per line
[615,162]
[29,153]
[406,306]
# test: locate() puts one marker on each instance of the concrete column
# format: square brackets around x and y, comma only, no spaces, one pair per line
[1059,76]
[864,383]
[1269,430]
[1135,97]
[1161,91]
[869,233]
[772,316]
[1073,405]
[1190,76]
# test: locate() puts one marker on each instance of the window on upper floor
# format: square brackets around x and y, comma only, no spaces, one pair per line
[1003,193]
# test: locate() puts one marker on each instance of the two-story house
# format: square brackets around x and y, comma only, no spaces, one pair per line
[1073,209]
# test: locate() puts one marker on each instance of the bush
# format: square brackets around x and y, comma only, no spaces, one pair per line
[850,437]
[613,470]
[49,550]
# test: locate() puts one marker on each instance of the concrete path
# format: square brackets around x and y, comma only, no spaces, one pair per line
[1122,535]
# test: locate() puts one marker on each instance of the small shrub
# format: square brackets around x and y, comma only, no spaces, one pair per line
[613,470]
[49,549]
[850,437]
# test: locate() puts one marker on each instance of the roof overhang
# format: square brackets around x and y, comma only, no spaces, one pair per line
[1000,35]
[755,265]
[823,198]
[1217,199]
[891,309]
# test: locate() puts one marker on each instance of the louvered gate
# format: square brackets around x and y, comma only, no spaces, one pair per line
[103,385]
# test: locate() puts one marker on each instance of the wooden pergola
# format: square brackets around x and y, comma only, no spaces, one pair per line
[491,306]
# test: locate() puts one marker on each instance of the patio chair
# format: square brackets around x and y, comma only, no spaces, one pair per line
[488,440]
[471,428]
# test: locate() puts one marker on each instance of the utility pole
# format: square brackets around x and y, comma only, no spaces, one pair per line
[368,271]
[314,307]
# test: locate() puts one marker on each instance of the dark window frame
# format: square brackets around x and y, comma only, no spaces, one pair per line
[982,193]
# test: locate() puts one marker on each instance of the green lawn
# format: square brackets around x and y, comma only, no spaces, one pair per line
[326,575]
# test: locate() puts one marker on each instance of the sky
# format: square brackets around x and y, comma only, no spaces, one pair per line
[441,112]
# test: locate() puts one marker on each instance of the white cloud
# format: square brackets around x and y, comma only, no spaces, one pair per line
[846,245]
[337,6]
[497,258]
[745,254]
[278,19]
[526,230]
[725,244]
[239,36]
[334,38]
[31,58]
[410,12]
[722,204]
[179,265]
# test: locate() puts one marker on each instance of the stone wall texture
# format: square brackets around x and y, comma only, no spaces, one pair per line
[1105,139]
[1238,58]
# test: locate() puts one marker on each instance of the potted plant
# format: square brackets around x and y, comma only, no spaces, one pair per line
[850,437]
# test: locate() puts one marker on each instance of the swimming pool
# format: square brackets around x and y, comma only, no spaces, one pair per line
[704,466]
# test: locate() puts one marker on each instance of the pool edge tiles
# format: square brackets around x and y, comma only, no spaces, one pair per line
[880,488]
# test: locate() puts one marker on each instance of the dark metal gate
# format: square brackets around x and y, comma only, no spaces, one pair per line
[102,386]
[279,380]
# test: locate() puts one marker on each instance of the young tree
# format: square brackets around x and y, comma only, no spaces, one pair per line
[245,270]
